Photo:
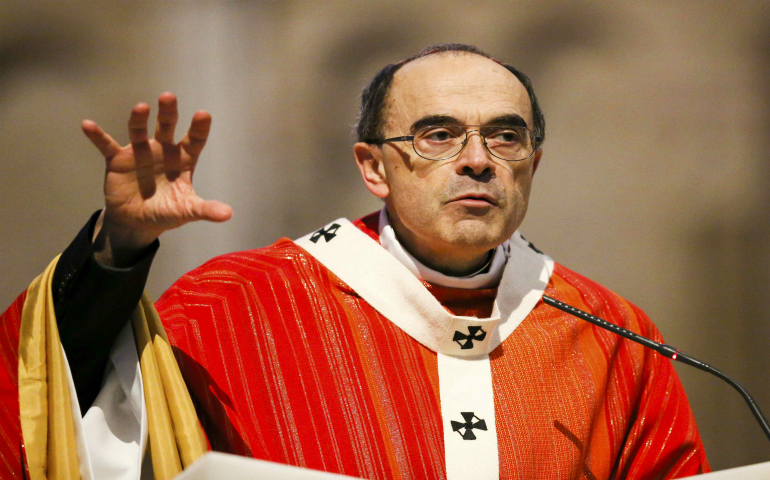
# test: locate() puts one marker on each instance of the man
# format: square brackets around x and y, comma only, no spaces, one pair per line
[411,343]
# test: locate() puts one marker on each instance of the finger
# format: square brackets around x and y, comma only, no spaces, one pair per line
[197,135]
[137,134]
[137,123]
[212,211]
[107,146]
[167,118]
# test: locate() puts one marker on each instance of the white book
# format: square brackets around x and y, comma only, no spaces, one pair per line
[215,465]
[760,471]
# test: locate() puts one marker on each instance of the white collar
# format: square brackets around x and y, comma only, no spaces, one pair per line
[488,276]
[388,286]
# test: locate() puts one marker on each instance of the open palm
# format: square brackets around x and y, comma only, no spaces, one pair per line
[148,183]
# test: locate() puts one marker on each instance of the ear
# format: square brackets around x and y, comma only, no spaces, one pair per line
[370,163]
[536,161]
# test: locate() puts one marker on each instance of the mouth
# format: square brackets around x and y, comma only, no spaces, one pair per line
[475,200]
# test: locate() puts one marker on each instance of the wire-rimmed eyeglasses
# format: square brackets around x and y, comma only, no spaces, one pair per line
[441,142]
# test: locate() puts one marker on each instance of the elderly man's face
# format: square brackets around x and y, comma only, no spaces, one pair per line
[468,204]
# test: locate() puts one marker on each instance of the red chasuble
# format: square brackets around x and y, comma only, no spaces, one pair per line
[286,363]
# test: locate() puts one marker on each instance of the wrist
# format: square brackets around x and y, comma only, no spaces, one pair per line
[119,245]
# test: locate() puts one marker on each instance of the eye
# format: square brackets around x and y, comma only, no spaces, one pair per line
[439,134]
[504,135]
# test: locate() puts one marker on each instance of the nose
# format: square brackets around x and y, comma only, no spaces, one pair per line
[474,159]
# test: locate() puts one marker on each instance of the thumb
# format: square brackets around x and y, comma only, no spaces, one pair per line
[212,211]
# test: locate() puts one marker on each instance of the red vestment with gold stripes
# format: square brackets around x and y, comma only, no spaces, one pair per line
[286,363]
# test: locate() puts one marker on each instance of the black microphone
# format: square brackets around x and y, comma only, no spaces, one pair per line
[667,351]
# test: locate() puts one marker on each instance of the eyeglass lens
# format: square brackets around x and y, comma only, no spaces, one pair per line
[441,142]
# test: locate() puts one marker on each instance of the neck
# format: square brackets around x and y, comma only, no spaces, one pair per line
[451,261]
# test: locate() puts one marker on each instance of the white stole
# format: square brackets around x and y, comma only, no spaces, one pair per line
[462,343]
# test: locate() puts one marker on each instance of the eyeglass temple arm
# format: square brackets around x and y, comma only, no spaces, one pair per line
[405,138]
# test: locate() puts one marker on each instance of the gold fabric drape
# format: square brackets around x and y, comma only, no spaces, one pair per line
[47,424]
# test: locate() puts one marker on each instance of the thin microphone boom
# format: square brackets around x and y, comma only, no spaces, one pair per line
[667,351]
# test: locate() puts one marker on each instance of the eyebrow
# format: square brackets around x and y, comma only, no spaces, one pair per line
[511,120]
[434,120]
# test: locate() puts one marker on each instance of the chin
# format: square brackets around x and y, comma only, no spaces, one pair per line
[477,234]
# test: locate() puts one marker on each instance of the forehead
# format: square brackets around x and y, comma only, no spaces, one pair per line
[465,86]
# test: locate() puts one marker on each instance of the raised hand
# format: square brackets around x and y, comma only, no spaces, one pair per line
[148,183]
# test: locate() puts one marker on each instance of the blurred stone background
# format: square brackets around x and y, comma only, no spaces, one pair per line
[653,182]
